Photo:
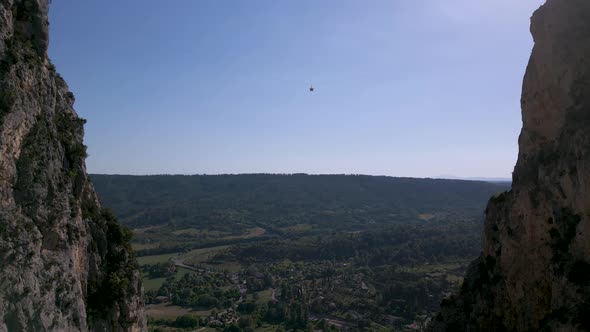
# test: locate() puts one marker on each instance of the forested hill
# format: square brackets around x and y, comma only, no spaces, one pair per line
[266,200]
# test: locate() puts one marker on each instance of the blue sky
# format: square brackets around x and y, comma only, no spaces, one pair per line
[403,87]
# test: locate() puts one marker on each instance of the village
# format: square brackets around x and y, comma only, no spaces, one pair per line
[333,295]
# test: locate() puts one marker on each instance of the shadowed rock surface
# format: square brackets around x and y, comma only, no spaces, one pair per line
[65,262]
[534,271]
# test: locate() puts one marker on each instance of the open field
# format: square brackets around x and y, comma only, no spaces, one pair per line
[297,228]
[153,284]
[193,257]
[198,232]
[142,246]
[250,233]
[435,268]
[426,216]
[264,296]
[180,272]
[210,234]
[164,310]
[143,229]
[199,256]
[155,259]
[167,310]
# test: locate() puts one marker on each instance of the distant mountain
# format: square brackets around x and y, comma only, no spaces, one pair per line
[266,200]
[485,179]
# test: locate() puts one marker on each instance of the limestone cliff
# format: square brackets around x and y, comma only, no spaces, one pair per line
[534,272]
[65,262]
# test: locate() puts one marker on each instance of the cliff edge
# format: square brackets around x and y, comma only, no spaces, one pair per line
[534,271]
[65,262]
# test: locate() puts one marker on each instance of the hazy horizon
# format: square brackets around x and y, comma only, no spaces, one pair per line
[440,177]
[402,89]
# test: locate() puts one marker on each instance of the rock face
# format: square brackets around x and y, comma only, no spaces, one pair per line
[534,272]
[65,262]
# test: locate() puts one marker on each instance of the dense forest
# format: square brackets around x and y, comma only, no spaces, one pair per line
[332,201]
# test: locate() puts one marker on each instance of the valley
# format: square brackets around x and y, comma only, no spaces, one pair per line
[298,252]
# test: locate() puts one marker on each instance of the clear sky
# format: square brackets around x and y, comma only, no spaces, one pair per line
[403,87]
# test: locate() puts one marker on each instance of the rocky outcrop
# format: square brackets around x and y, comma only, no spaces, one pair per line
[65,262]
[534,272]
